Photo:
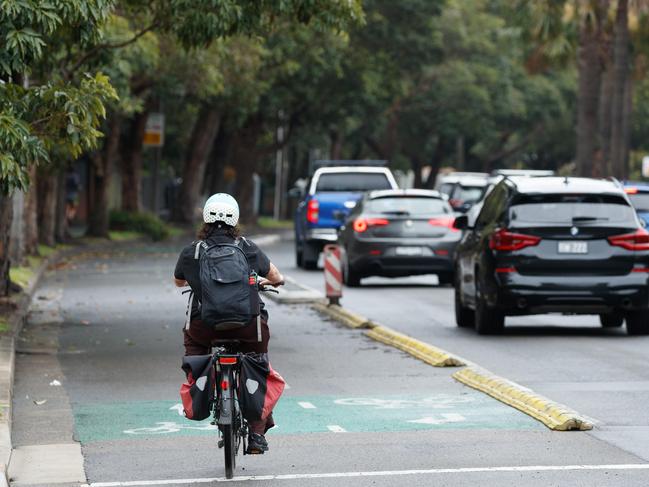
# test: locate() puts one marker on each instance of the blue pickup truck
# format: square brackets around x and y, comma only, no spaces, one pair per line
[331,193]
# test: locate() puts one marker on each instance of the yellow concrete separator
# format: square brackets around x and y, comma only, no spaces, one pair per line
[554,415]
[421,350]
[342,315]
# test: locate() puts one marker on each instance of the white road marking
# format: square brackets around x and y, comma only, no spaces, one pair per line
[178,408]
[381,473]
[336,429]
[306,405]
[443,418]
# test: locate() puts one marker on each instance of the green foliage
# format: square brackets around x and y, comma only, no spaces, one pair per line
[143,223]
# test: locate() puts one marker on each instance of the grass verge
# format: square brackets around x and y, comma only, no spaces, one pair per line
[269,223]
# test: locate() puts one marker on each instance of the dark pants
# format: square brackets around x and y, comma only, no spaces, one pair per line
[199,339]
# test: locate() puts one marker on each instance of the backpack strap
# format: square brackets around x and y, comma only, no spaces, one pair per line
[190,302]
[199,244]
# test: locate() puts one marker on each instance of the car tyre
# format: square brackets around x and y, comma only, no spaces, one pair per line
[611,320]
[464,317]
[351,278]
[445,278]
[309,256]
[637,322]
[488,321]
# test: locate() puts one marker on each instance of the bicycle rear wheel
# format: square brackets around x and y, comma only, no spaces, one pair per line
[229,432]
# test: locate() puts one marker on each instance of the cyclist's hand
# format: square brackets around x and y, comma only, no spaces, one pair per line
[265,282]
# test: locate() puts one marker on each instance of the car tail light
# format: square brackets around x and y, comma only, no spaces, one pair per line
[638,240]
[507,241]
[444,221]
[312,211]
[362,224]
[631,190]
[455,202]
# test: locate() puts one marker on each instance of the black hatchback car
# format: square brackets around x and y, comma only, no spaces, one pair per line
[396,233]
[540,245]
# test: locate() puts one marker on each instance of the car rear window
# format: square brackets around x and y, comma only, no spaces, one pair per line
[640,201]
[570,209]
[350,181]
[468,193]
[409,205]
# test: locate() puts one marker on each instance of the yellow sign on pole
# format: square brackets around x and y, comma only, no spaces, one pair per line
[154,130]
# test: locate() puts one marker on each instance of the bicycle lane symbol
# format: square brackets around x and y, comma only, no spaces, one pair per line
[420,408]
[168,427]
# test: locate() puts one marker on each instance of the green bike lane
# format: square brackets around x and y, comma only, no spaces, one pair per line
[352,405]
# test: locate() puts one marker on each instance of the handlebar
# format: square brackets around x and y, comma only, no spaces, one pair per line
[265,289]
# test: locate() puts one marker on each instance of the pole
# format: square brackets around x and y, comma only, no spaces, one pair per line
[333,274]
[277,204]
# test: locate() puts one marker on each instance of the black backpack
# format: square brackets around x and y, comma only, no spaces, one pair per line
[229,297]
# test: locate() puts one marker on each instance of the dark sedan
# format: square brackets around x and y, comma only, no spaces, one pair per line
[396,233]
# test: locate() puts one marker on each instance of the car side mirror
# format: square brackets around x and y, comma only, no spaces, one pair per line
[295,193]
[461,222]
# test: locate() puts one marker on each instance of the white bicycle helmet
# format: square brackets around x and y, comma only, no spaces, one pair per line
[221,207]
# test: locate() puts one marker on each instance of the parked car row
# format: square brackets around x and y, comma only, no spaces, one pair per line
[532,243]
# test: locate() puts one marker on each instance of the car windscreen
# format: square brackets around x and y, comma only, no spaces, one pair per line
[412,206]
[352,181]
[571,209]
[468,193]
[640,201]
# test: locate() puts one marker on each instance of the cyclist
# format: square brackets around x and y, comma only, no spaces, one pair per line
[221,217]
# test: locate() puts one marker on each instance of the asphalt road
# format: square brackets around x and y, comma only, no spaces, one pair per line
[107,327]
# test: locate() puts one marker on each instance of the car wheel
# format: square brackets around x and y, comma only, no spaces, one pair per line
[637,322]
[298,256]
[611,320]
[445,278]
[488,321]
[350,277]
[464,317]
[309,256]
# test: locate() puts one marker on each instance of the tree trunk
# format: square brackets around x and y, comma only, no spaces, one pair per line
[626,126]
[589,69]
[214,182]
[61,228]
[202,139]
[6,217]
[621,74]
[603,167]
[132,162]
[47,189]
[103,164]
[30,214]
[337,140]
[246,154]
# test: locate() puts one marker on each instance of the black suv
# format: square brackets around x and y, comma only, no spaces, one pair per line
[541,245]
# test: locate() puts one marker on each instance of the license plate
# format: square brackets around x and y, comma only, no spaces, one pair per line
[573,247]
[409,251]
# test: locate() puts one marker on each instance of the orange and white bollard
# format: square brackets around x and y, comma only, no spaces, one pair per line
[333,274]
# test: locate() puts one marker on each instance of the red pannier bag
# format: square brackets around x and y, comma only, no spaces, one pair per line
[260,387]
[197,393]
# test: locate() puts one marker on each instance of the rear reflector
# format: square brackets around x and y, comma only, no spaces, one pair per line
[638,240]
[228,360]
[224,385]
[505,270]
[441,252]
[444,221]
[375,252]
[506,241]
[640,269]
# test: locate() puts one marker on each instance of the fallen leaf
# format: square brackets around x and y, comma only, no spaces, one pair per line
[40,403]
[55,383]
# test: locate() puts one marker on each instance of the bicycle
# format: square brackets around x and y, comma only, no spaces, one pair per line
[227,414]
